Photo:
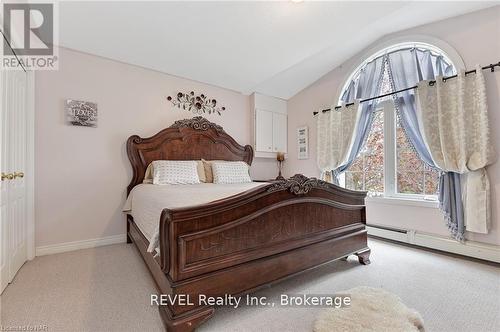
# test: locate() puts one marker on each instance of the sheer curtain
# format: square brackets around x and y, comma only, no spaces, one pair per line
[336,132]
[367,86]
[407,68]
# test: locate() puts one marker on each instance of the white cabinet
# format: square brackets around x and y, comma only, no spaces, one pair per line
[279,132]
[270,126]
[263,131]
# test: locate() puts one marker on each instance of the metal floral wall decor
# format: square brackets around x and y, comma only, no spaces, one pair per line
[198,104]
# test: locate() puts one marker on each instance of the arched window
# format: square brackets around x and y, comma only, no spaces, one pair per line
[388,164]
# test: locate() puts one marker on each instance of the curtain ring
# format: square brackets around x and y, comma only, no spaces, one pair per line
[342,105]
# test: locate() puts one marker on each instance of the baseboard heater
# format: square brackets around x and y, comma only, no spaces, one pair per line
[488,252]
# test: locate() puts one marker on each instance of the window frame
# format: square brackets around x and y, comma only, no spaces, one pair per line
[390,157]
[391,154]
[388,108]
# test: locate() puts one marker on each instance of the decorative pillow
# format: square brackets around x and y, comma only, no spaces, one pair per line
[207,165]
[230,172]
[175,172]
[201,171]
[148,176]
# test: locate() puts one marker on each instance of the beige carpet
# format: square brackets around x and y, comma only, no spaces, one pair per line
[107,289]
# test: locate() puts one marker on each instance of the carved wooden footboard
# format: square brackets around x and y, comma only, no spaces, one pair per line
[236,245]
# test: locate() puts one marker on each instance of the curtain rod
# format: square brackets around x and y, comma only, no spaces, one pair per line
[491,67]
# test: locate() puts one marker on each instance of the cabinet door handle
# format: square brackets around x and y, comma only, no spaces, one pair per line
[18,175]
[8,176]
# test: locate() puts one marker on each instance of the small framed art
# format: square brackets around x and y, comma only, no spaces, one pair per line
[303,142]
[81,113]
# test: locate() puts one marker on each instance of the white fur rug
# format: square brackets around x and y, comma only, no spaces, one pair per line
[371,309]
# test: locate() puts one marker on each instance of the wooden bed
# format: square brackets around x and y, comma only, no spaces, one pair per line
[236,245]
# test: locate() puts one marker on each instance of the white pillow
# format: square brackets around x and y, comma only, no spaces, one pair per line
[148,175]
[175,172]
[230,172]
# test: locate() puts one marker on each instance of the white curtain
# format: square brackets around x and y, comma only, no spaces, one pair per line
[336,132]
[453,120]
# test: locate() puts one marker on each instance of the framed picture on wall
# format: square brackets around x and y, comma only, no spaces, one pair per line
[81,113]
[302,142]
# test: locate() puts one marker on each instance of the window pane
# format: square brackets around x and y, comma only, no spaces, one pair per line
[410,182]
[374,182]
[431,181]
[413,175]
[367,171]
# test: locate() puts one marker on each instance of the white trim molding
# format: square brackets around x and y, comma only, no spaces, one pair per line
[488,252]
[30,165]
[77,245]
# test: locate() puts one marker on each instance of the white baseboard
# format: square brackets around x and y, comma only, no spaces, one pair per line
[473,249]
[77,245]
[479,250]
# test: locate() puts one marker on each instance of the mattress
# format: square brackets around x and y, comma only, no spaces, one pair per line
[146,202]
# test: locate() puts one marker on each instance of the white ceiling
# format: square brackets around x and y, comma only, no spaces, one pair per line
[275,48]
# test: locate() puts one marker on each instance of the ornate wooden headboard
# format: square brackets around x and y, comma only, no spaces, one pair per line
[189,139]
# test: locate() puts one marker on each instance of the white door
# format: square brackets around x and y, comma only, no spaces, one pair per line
[17,163]
[279,132]
[13,193]
[263,131]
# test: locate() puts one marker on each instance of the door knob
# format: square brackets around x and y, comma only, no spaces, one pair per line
[8,176]
[18,175]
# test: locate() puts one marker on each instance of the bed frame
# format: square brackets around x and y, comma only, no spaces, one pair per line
[239,244]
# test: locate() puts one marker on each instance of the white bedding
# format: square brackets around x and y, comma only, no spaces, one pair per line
[146,202]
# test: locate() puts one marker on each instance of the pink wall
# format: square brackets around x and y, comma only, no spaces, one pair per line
[475,37]
[82,173]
